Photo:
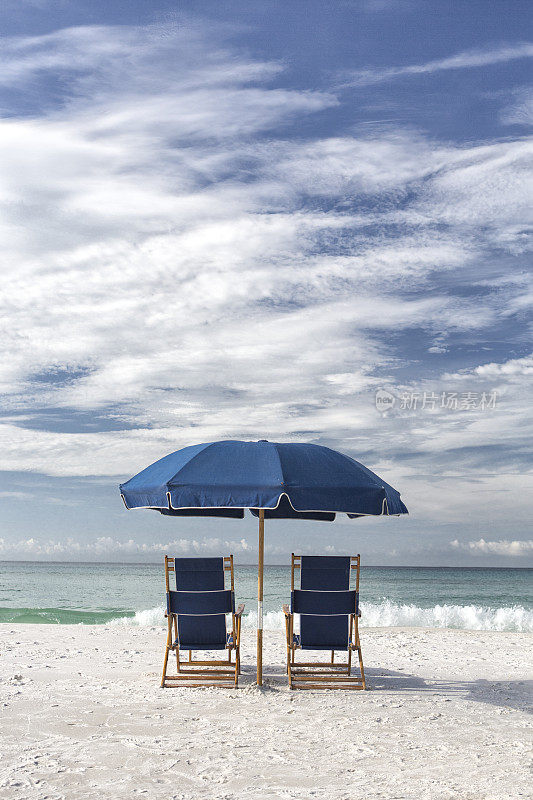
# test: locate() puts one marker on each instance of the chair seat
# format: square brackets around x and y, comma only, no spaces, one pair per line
[297,642]
[213,646]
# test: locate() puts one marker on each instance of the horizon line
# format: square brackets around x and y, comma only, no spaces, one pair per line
[158,563]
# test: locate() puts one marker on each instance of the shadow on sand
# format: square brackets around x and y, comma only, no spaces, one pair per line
[506,694]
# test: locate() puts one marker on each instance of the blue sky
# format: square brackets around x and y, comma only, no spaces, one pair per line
[242,220]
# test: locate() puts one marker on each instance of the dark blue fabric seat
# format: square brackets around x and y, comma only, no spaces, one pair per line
[201,603]
[196,620]
[329,621]
[297,641]
[324,602]
[229,641]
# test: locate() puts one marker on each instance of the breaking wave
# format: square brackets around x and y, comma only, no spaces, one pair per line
[272,620]
[388,614]
[474,618]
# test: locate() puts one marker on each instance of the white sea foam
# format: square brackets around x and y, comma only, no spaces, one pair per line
[147,617]
[388,614]
[475,618]
[272,620]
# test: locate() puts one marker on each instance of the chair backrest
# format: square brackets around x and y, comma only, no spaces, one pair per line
[200,600]
[194,574]
[324,600]
[325,572]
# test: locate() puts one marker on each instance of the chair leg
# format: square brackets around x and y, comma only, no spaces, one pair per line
[236,669]
[167,650]
[361,666]
[350,641]
[289,670]
[287,641]
[238,649]
[288,657]
[360,654]
[177,646]
[333,656]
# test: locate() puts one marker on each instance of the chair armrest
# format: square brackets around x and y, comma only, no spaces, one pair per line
[286,611]
[240,610]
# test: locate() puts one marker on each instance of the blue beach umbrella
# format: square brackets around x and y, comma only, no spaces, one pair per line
[273,480]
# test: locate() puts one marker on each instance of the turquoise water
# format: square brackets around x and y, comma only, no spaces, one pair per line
[133,594]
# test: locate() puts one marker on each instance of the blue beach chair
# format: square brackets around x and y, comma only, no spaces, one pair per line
[196,620]
[329,620]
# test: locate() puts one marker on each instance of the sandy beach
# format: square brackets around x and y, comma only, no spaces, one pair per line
[83,717]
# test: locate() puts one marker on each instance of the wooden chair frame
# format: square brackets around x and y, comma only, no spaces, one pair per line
[223,673]
[320,674]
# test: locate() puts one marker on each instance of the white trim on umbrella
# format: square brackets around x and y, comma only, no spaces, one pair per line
[170,507]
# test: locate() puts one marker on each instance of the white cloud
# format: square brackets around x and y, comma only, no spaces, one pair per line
[520,112]
[514,368]
[500,548]
[484,185]
[189,275]
[466,59]
[114,549]
[121,51]
[497,429]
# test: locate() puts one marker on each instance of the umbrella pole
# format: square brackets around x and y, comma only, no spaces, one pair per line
[260,598]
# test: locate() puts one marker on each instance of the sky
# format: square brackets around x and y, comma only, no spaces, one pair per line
[298,221]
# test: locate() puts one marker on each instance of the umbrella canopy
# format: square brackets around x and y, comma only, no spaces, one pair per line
[273,480]
[289,481]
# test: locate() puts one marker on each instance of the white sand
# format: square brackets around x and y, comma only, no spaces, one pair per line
[83,717]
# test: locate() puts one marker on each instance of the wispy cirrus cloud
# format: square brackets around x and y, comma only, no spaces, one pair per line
[467,59]
[520,110]
[185,266]
[85,53]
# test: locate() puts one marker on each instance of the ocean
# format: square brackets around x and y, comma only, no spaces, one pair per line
[133,594]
